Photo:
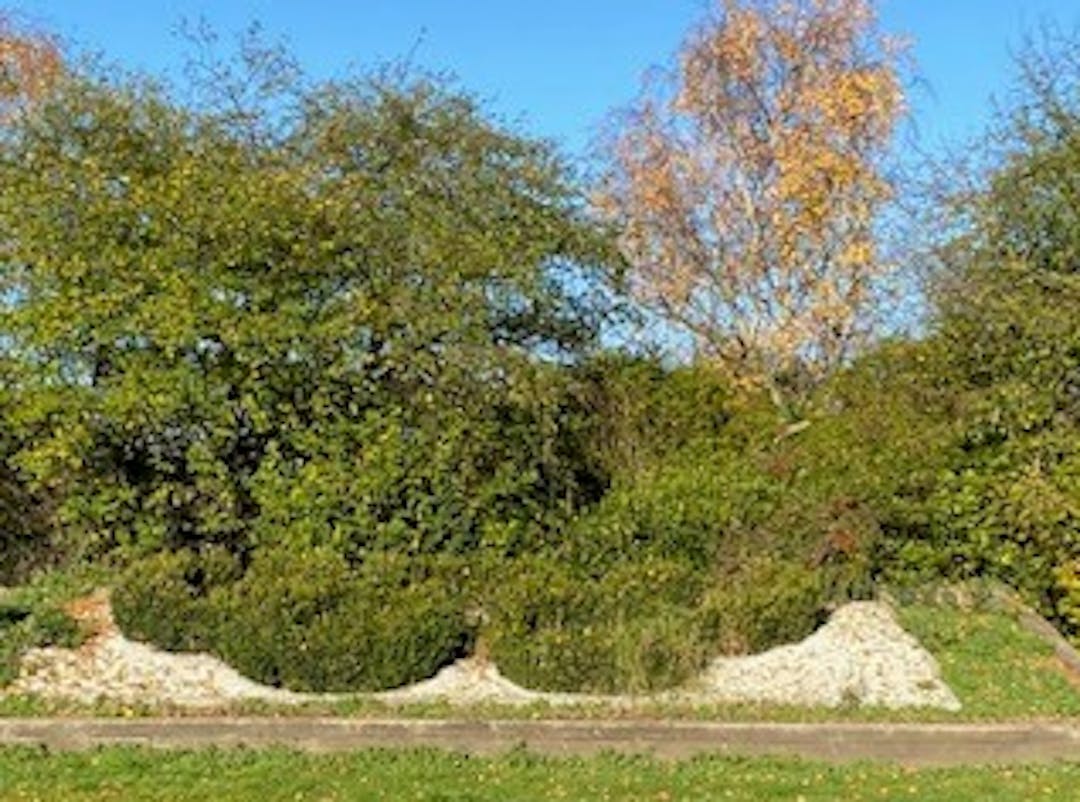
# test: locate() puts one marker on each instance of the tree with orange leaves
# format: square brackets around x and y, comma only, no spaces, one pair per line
[748,181]
[29,62]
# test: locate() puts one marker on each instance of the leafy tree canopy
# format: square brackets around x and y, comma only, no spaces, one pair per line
[210,300]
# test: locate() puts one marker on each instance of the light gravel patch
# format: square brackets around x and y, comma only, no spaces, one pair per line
[116,669]
[860,657]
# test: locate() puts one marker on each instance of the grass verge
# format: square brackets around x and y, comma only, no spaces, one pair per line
[265,776]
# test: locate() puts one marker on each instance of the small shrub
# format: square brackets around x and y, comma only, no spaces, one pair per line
[165,599]
[765,604]
[52,626]
[25,626]
[554,627]
[302,619]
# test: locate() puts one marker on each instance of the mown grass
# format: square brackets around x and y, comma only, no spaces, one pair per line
[265,776]
[998,669]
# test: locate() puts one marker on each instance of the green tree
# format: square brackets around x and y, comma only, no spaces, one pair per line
[319,312]
[1008,319]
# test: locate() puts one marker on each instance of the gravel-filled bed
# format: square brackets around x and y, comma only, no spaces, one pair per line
[861,656]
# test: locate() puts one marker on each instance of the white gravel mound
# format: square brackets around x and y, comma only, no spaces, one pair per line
[466,682]
[119,670]
[861,656]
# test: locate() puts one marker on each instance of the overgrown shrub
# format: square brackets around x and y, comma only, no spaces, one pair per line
[431,481]
[646,625]
[632,412]
[691,506]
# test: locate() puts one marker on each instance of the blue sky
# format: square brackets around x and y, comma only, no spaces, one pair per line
[558,66]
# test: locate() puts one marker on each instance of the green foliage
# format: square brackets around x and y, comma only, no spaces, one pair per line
[165,599]
[303,619]
[634,411]
[647,624]
[823,490]
[1004,503]
[315,320]
[765,603]
[324,372]
[26,626]
[692,506]
[556,627]
[27,540]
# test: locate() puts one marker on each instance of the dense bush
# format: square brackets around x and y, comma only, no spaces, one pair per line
[28,539]
[645,625]
[433,480]
[318,320]
[1004,503]
[27,535]
[823,490]
[692,506]
[553,626]
[169,599]
[765,603]
[632,412]
[303,619]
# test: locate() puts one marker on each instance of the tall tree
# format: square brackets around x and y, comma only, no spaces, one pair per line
[313,314]
[29,62]
[1007,321]
[747,182]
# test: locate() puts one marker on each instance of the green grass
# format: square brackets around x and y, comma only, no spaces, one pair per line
[998,669]
[266,776]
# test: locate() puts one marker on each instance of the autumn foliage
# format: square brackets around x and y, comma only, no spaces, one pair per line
[747,182]
[29,62]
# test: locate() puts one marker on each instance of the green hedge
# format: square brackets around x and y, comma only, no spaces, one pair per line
[645,625]
[554,627]
[304,620]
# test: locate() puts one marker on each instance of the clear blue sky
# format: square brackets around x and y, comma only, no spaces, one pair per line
[558,66]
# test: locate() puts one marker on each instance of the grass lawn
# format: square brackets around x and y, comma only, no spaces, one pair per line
[998,669]
[128,774]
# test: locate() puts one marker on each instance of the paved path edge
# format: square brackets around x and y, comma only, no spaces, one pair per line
[907,744]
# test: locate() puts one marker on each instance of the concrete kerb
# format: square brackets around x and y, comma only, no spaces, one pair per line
[906,744]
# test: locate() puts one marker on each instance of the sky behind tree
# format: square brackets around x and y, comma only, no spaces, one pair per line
[558,67]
